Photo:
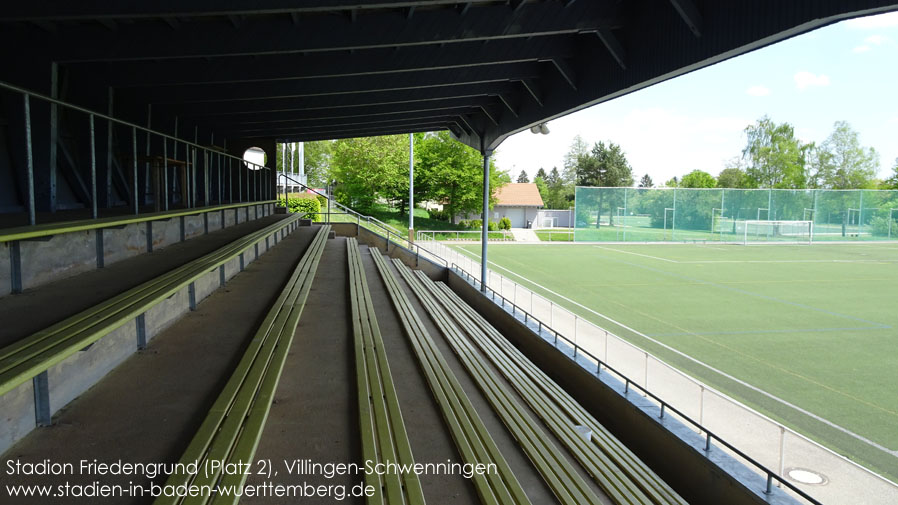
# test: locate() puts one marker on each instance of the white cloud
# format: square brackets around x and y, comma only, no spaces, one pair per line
[758,91]
[860,49]
[873,22]
[804,80]
[876,40]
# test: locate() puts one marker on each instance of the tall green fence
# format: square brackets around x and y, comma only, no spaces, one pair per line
[734,215]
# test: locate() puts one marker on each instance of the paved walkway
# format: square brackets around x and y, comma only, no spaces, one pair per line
[524,235]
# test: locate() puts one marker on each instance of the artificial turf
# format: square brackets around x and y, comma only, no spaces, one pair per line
[814,325]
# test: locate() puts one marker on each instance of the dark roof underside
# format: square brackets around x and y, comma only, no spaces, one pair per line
[316,69]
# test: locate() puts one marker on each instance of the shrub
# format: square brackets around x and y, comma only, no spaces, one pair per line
[464,223]
[505,224]
[303,204]
[492,226]
[880,226]
[322,201]
[475,224]
[439,215]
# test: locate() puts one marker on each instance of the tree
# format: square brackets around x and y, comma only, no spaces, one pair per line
[522,177]
[672,182]
[371,167]
[541,173]
[843,162]
[605,166]
[543,189]
[646,182]
[317,162]
[892,182]
[557,191]
[698,179]
[579,148]
[451,172]
[776,158]
[731,178]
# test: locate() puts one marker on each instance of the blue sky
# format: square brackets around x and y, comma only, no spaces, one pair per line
[847,71]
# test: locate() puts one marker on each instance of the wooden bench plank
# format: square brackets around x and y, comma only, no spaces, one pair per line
[553,466]
[509,359]
[468,431]
[232,429]
[384,437]
[33,354]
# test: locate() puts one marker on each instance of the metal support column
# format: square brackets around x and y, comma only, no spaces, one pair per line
[93,169]
[41,385]
[54,133]
[109,126]
[411,187]
[147,179]
[484,233]
[134,169]
[165,189]
[29,158]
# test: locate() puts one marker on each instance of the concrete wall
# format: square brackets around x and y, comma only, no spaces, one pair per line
[78,372]
[5,270]
[671,449]
[56,257]
[433,270]
[122,243]
[16,415]
[563,218]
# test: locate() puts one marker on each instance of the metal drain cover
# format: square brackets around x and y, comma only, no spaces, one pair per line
[806,476]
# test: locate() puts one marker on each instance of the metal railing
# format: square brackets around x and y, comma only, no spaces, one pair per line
[664,407]
[475,235]
[390,233]
[262,189]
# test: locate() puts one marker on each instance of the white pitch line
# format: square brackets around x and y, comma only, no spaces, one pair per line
[808,413]
[742,261]
[635,254]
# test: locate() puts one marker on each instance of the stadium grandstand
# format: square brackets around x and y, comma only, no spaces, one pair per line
[168,335]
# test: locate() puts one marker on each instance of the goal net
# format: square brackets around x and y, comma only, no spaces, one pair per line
[778,232]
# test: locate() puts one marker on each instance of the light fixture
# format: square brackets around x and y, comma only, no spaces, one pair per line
[540,128]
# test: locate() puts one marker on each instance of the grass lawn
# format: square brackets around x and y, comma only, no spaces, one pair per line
[555,236]
[814,325]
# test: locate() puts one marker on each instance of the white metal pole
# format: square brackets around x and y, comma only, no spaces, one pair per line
[411,187]
[485,222]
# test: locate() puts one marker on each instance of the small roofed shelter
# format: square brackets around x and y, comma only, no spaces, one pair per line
[519,202]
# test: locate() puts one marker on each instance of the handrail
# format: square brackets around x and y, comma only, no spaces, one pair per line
[12,87]
[390,231]
[709,436]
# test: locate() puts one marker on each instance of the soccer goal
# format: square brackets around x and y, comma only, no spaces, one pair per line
[779,232]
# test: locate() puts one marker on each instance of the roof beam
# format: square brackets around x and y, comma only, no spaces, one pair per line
[359,131]
[567,71]
[229,131]
[330,85]
[294,66]
[278,35]
[55,10]
[395,99]
[613,45]
[690,14]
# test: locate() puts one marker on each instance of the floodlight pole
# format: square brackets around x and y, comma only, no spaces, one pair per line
[484,232]
[411,187]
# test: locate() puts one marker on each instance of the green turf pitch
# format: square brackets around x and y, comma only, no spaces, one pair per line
[814,325]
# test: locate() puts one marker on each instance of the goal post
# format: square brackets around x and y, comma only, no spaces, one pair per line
[778,232]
